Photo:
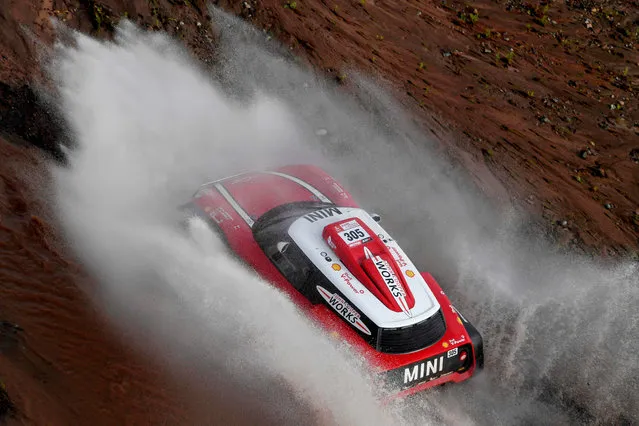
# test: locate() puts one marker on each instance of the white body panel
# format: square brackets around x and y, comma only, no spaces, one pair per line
[308,236]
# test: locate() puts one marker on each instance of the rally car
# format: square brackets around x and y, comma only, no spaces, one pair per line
[301,230]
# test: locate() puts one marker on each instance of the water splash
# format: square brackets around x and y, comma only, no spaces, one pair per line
[560,330]
[148,128]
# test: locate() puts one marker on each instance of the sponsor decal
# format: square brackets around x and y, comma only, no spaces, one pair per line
[423,370]
[331,243]
[409,273]
[383,238]
[393,284]
[322,214]
[452,353]
[326,256]
[219,215]
[348,279]
[347,225]
[460,321]
[336,267]
[398,257]
[445,345]
[344,309]
[461,339]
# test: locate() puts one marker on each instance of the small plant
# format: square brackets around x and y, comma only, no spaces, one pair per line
[469,16]
[540,14]
[487,152]
[97,15]
[488,33]
[379,37]
[530,93]
[506,59]
[290,5]
[422,65]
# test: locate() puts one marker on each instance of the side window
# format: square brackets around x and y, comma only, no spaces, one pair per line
[292,263]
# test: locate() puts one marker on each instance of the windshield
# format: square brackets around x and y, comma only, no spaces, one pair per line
[278,219]
[271,234]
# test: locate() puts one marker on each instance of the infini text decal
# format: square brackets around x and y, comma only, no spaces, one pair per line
[425,369]
[344,309]
[393,284]
[322,214]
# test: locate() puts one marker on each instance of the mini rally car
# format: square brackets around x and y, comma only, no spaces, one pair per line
[300,230]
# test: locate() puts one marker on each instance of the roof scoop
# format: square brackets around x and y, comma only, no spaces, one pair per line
[369,260]
[381,272]
[368,253]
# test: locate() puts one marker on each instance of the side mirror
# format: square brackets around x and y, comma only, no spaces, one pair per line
[376,217]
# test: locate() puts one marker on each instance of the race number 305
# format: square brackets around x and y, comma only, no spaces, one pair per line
[354,234]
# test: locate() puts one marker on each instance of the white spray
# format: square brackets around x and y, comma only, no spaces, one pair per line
[150,128]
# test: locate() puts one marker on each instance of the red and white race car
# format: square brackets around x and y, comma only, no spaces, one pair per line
[303,232]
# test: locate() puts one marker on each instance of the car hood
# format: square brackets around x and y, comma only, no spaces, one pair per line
[366,265]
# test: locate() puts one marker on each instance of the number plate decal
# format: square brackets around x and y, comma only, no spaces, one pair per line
[354,235]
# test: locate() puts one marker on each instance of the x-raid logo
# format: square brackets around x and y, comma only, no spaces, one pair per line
[322,214]
[344,309]
[423,370]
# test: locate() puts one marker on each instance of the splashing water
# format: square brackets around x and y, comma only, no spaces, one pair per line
[149,126]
